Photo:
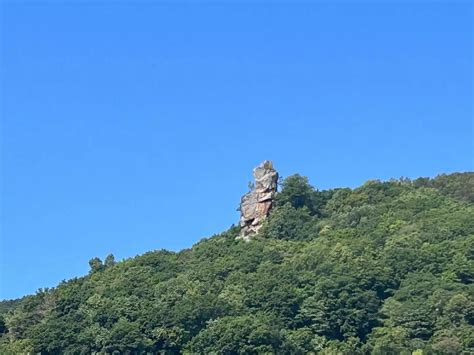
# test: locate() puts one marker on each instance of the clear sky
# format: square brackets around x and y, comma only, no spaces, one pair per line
[128,128]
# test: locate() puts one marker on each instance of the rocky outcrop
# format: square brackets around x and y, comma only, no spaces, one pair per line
[256,204]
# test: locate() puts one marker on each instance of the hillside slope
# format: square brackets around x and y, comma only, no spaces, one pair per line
[387,268]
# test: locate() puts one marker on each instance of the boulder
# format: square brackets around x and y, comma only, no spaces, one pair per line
[257,203]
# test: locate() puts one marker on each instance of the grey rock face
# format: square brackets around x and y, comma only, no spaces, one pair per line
[256,204]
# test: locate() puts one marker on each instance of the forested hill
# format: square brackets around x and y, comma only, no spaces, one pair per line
[386,268]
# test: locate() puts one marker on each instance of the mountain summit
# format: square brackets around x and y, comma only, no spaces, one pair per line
[385,268]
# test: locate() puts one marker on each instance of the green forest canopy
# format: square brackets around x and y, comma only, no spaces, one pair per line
[386,268]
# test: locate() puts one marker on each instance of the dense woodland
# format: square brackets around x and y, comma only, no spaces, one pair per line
[386,268]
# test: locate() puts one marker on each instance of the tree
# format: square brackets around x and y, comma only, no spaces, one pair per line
[3,327]
[297,191]
[249,334]
[109,260]
[289,223]
[95,265]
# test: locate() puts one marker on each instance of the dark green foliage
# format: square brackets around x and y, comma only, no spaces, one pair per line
[287,222]
[299,193]
[458,185]
[387,268]
[109,261]
[247,334]
[3,327]
[96,265]
[8,305]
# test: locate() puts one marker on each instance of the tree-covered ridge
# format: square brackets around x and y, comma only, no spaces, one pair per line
[386,268]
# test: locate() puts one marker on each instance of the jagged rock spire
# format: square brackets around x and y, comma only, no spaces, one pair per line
[256,204]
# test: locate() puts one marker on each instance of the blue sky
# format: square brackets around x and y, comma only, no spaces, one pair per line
[128,128]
